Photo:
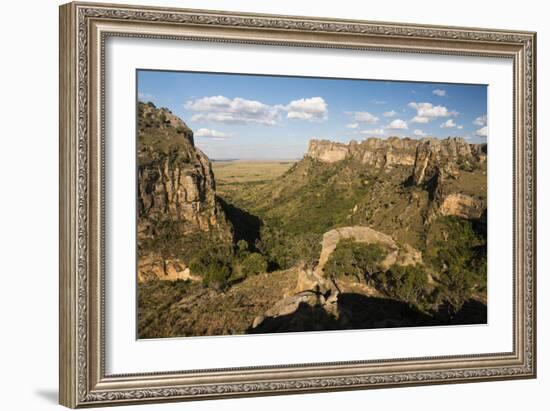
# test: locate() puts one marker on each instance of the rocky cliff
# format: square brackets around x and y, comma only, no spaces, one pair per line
[450,152]
[429,163]
[373,151]
[438,161]
[176,191]
[444,158]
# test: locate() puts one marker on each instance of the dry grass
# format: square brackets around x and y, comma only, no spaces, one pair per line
[240,171]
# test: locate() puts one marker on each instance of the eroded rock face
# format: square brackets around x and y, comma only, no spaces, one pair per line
[318,298]
[176,188]
[175,179]
[461,205]
[153,267]
[427,157]
[373,152]
[327,151]
[442,158]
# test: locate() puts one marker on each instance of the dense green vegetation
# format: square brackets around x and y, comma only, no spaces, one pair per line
[359,260]
[405,283]
[457,255]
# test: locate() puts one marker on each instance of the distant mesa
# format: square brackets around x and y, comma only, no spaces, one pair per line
[392,151]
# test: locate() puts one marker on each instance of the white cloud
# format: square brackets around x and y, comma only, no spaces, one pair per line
[481,120]
[375,101]
[397,124]
[482,132]
[352,125]
[373,132]
[460,127]
[209,133]
[427,111]
[419,133]
[420,119]
[390,113]
[438,92]
[311,109]
[221,109]
[233,111]
[364,117]
[448,124]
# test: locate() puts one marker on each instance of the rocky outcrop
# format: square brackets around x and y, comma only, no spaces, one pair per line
[318,297]
[405,255]
[176,191]
[327,151]
[316,294]
[153,267]
[373,152]
[425,156]
[438,161]
[175,179]
[462,205]
[436,158]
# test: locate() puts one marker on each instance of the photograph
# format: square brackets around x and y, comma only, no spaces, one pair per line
[272,204]
[264,202]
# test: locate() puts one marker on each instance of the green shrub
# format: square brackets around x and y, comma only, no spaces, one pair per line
[285,250]
[351,258]
[457,286]
[406,283]
[253,264]
[213,267]
[216,275]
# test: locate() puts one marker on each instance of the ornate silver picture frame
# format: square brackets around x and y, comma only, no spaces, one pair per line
[84,30]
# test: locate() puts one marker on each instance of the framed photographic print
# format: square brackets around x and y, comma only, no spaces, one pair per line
[259,204]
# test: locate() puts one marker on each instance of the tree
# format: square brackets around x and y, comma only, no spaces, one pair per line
[406,283]
[457,286]
[253,264]
[212,266]
[351,258]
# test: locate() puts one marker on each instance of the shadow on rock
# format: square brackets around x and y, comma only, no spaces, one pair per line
[305,318]
[358,311]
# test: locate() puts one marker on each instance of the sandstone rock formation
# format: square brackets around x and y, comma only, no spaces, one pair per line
[315,291]
[153,266]
[426,155]
[373,152]
[405,255]
[175,179]
[461,205]
[442,158]
[437,161]
[176,189]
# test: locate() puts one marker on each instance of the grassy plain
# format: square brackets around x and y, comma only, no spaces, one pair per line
[247,171]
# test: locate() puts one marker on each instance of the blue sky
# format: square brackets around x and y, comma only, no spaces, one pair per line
[273,117]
